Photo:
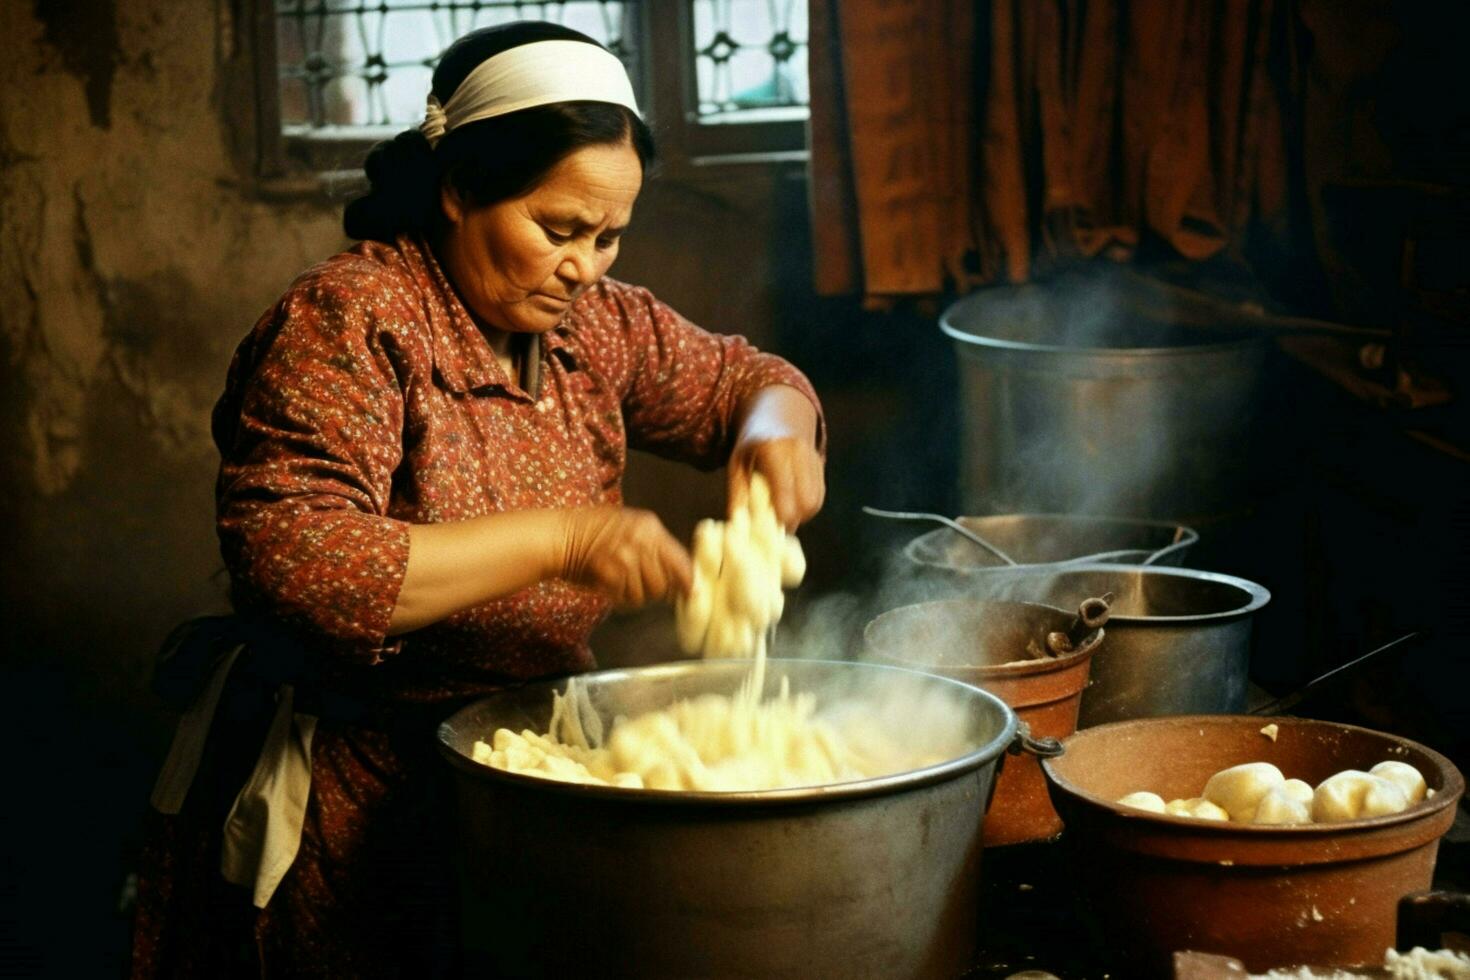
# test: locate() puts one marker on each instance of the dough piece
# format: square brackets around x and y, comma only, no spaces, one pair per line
[1297,789]
[709,743]
[1405,777]
[1351,794]
[1284,805]
[1271,731]
[1240,788]
[1197,807]
[793,563]
[1152,802]
[740,568]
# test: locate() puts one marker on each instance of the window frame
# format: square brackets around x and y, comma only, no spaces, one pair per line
[286,162]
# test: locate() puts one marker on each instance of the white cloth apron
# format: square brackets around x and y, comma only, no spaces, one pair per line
[262,833]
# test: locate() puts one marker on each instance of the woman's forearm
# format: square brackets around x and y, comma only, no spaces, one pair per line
[457,565]
[774,412]
[779,436]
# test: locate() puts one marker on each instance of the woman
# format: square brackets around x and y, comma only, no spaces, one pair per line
[422,444]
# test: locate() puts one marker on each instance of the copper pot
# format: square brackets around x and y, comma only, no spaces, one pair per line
[1318,893]
[1002,647]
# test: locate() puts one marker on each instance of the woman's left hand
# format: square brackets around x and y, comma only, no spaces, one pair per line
[778,440]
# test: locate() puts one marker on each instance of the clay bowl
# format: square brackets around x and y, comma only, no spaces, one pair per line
[1320,893]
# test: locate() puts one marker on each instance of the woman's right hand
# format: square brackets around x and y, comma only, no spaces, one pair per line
[624,552]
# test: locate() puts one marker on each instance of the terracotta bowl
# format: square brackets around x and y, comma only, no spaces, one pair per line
[1319,893]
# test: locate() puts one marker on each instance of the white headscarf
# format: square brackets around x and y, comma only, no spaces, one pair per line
[538,73]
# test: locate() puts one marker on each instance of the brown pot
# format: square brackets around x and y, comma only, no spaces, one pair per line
[986,644]
[1319,893]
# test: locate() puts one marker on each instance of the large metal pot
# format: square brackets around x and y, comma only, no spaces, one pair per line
[1270,895]
[871,878]
[1178,641]
[1003,648]
[1121,397]
[1041,539]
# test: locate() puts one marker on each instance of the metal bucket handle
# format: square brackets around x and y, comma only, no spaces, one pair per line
[1045,747]
[1086,630]
[1023,743]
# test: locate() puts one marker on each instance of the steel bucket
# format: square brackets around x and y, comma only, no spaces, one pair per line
[1116,396]
[1179,640]
[870,878]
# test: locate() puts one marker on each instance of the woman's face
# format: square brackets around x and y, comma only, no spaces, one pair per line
[519,263]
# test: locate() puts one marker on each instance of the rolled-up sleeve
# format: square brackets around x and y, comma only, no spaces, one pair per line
[682,386]
[310,434]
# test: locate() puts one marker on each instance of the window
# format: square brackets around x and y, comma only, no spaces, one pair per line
[716,78]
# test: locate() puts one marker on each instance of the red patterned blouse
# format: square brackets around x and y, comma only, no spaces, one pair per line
[364,401]
[368,400]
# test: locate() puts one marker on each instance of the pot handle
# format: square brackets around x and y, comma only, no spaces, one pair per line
[1086,629]
[1045,747]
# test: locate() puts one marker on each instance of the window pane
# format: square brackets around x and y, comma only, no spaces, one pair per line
[355,63]
[750,59]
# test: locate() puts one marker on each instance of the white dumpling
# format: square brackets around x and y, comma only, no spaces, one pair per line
[1152,802]
[1240,788]
[1283,805]
[1297,789]
[1405,777]
[1197,807]
[1351,794]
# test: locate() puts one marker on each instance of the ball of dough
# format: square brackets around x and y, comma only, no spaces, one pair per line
[1240,788]
[1297,789]
[1152,802]
[1405,777]
[1283,805]
[1351,794]
[1197,807]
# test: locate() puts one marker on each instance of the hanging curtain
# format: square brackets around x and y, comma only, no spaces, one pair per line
[956,143]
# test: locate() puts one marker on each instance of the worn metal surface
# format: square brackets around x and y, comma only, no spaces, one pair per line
[1178,640]
[1001,647]
[875,878]
[1042,539]
[1075,403]
[1319,893]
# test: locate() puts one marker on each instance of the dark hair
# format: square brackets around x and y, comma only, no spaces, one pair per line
[488,160]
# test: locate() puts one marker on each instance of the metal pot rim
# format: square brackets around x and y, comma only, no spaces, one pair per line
[1188,537]
[796,795]
[1447,795]
[1259,594]
[1243,342]
[1009,669]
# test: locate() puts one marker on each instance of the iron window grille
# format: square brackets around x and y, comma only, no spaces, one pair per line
[336,76]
